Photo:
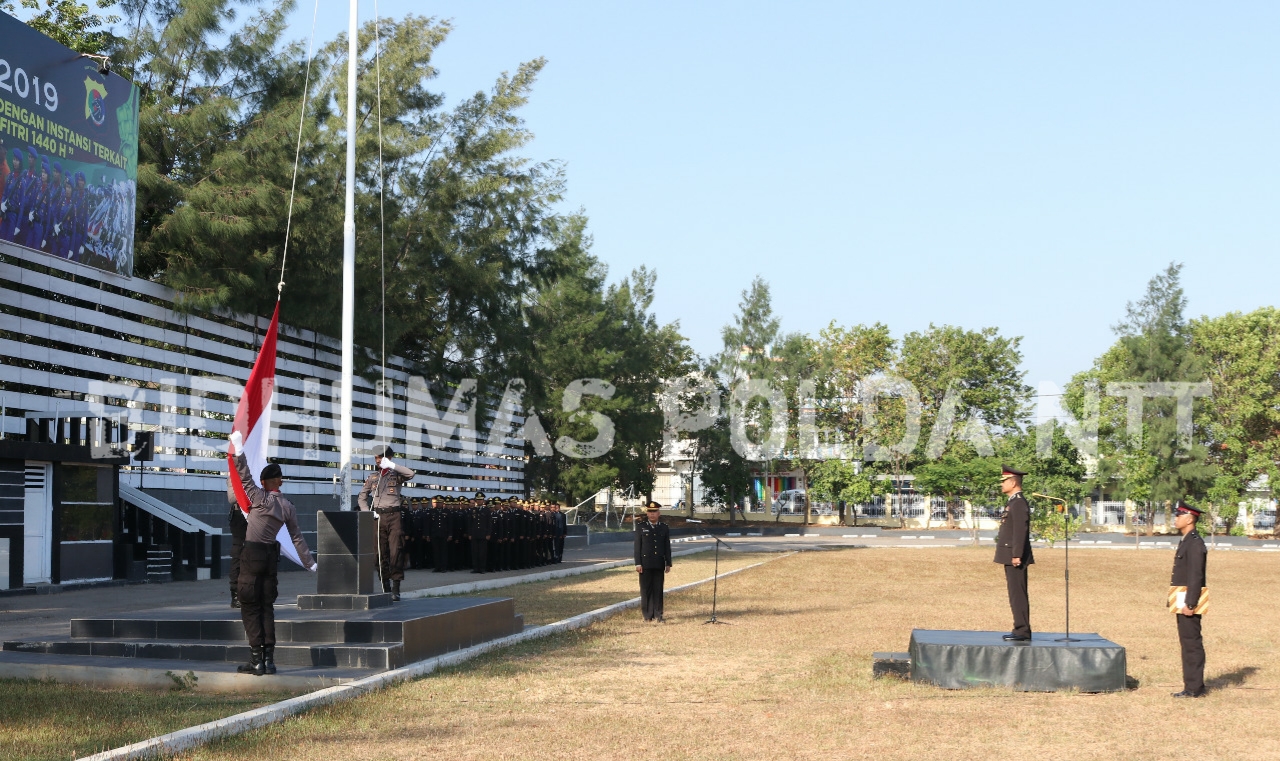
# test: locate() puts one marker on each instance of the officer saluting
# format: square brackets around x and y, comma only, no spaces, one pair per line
[1013,551]
[1189,598]
[653,561]
[383,493]
[260,558]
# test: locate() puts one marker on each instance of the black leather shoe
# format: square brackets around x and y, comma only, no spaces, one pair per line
[1186,694]
[1011,637]
[395,591]
[235,599]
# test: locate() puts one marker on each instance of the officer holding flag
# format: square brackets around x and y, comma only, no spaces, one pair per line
[260,557]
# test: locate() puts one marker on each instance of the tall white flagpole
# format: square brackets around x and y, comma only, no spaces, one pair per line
[347,435]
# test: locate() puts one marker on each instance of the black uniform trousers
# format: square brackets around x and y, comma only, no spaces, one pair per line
[259,562]
[1192,653]
[391,549]
[238,528]
[1015,578]
[479,554]
[651,580]
[440,552]
[559,549]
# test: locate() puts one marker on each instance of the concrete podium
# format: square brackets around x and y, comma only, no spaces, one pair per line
[347,553]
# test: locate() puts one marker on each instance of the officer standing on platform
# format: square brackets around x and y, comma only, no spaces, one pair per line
[260,558]
[1013,551]
[653,561]
[383,494]
[1189,598]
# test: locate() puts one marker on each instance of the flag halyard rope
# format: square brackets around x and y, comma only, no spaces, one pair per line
[297,153]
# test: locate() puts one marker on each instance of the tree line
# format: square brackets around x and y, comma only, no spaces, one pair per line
[481,274]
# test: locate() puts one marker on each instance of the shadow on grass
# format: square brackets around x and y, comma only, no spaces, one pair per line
[1231,678]
[737,610]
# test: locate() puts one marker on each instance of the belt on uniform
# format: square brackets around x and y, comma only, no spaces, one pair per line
[385,510]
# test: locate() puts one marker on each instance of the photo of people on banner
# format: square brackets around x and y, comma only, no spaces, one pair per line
[68,151]
[74,211]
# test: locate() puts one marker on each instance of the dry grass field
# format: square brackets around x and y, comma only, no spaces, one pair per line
[45,720]
[791,678]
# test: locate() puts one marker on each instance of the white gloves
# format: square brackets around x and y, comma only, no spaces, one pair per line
[387,464]
[57,228]
[237,442]
[376,516]
[4,206]
[314,566]
[31,216]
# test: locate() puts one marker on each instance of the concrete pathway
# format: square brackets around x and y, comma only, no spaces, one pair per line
[49,615]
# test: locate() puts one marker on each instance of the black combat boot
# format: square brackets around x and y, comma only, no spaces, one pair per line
[386,585]
[235,599]
[269,659]
[395,591]
[254,666]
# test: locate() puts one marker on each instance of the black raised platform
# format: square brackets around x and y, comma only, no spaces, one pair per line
[383,638]
[963,659]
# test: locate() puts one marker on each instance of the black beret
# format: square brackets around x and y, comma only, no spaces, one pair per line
[271,471]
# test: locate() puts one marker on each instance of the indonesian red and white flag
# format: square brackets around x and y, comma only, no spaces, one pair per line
[253,421]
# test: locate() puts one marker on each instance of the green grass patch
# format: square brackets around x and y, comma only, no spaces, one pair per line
[46,720]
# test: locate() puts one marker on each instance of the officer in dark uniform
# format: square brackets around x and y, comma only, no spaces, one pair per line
[1013,551]
[1189,598]
[383,494]
[653,561]
[561,530]
[439,523]
[261,557]
[494,548]
[239,525]
[480,529]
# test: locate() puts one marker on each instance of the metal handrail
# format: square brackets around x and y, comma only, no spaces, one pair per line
[165,512]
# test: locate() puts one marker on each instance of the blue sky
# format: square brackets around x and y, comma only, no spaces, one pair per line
[1009,164]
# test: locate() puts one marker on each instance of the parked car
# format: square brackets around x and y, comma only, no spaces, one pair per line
[790,501]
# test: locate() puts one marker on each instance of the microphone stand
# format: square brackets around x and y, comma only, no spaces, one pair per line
[1066,538]
[715,582]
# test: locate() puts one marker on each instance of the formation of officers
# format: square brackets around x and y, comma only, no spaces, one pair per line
[445,534]
[483,534]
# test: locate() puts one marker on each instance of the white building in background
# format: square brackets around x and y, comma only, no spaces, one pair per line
[77,341]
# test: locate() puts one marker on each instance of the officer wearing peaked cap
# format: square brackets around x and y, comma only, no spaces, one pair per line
[383,494]
[1013,551]
[1189,598]
[653,561]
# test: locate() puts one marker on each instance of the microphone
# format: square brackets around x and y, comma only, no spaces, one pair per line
[1063,502]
